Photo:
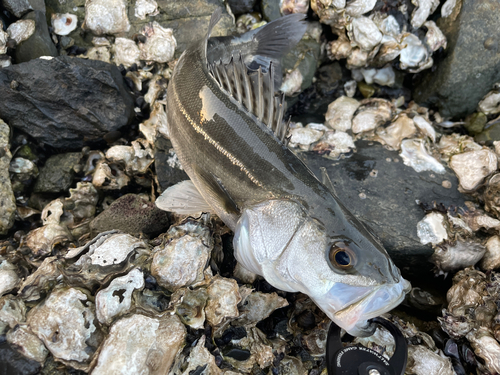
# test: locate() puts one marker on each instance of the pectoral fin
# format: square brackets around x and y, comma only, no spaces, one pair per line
[183,198]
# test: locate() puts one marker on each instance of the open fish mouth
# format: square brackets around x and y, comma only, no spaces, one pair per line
[364,305]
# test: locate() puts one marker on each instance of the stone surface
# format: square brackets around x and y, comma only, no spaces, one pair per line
[389,207]
[270,9]
[56,176]
[241,6]
[65,102]
[470,65]
[38,44]
[7,198]
[131,214]
[166,164]
[14,363]
[304,57]
[17,7]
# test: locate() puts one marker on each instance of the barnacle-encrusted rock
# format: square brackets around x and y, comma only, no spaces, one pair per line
[125,52]
[422,11]
[371,114]
[223,299]
[7,198]
[132,214]
[414,55]
[473,166]
[27,343]
[109,177]
[12,312]
[39,281]
[434,38]
[182,260]
[141,345]
[303,137]
[65,322]
[144,8]
[258,306]
[492,195]
[432,229]
[365,33]
[116,299]
[136,158]
[57,174]
[160,44]
[106,16]
[414,154]
[340,113]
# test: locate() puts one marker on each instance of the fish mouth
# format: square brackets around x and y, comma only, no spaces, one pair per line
[354,318]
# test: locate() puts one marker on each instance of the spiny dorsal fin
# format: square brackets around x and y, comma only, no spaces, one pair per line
[216,16]
[255,91]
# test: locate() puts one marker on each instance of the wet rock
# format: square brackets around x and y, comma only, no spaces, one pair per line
[141,345]
[17,7]
[131,214]
[270,9]
[387,202]
[7,198]
[241,6]
[469,68]
[77,118]
[167,166]
[38,44]
[57,174]
[14,363]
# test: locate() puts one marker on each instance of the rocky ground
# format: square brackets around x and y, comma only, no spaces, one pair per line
[398,100]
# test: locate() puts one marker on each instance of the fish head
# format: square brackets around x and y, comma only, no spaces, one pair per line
[337,262]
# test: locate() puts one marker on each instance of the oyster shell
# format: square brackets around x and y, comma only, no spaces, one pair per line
[371,114]
[491,259]
[21,30]
[160,44]
[145,8]
[27,343]
[365,33]
[106,16]
[65,322]
[141,345]
[258,306]
[472,167]
[432,228]
[189,305]
[402,127]
[116,299]
[490,104]
[340,113]
[12,312]
[304,137]
[423,361]
[125,52]
[454,256]
[414,154]
[424,8]
[223,299]
[8,277]
[63,24]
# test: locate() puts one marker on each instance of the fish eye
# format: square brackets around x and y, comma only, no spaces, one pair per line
[341,256]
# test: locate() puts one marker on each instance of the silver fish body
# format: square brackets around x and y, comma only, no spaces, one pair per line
[289,227]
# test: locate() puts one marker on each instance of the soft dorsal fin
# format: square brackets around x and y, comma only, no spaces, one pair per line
[255,91]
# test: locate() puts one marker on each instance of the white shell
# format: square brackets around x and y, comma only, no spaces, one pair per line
[157,123]
[106,16]
[292,82]
[303,137]
[383,77]
[425,361]
[448,8]
[99,53]
[371,114]
[8,277]
[414,53]
[109,304]
[403,127]
[125,52]
[223,299]
[141,345]
[294,6]
[21,165]
[47,272]
[335,143]
[182,260]
[457,255]
[65,23]
[365,33]
[358,7]
[491,259]
[434,38]
[424,9]
[486,347]
[425,127]
[201,357]
[472,167]
[144,8]
[12,312]
[490,104]
[258,306]
[27,343]
[4,37]
[415,155]
[160,44]
[137,158]
[340,113]
[350,88]
[21,30]
[105,179]
[431,229]
[65,323]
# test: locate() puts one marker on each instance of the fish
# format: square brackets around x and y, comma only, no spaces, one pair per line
[225,122]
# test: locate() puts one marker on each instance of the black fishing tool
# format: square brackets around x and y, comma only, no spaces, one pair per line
[359,360]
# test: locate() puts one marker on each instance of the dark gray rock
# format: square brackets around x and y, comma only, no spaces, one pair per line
[166,173]
[17,7]
[131,214]
[65,102]
[389,208]
[38,5]
[270,9]
[56,176]
[470,66]
[241,6]
[14,363]
[188,19]
[38,44]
